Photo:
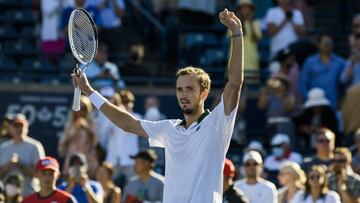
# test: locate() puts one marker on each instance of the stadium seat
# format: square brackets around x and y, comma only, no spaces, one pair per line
[199,39]
[7,32]
[20,47]
[20,17]
[37,66]
[7,64]
[213,57]
[28,33]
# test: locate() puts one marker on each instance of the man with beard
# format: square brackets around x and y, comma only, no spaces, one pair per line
[257,189]
[342,179]
[195,147]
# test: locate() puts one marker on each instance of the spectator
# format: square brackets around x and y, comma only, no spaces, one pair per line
[281,153]
[323,70]
[4,128]
[78,183]
[111,12]
[231,193]
[317,113]
[351,111]
[152,109]
[47,171]
[292,178]
[112,193]
[284,25]
[120,157]
[278,103]
[316,188]
[342,179]
[65,15]
[256,146]
[325,144]
[257,189]
[52,40]
[21,153]
[147,185]
[356,153]
[103,72]
[351,74]
[79,136]
[2,192]
[14,185]
[245,11]
[289,67]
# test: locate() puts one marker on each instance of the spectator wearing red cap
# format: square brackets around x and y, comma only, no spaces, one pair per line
[19,154]
[47,171]
[231,193]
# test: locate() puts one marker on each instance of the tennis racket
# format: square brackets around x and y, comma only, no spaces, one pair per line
[83,42]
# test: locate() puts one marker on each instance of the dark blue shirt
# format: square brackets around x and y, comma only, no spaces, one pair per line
[79,193]
[93,11]
[325,76]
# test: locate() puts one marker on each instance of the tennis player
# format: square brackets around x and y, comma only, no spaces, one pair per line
[195,147]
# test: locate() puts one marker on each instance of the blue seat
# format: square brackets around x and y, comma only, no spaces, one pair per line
[8,64]
[199,39]
[8,32]
[27,33]
[21,47]
[37,66]
[214,57]
[20,17]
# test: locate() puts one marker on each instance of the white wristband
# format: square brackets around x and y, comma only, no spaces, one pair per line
[97,99]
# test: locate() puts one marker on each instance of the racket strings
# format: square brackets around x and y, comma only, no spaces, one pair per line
[83,36]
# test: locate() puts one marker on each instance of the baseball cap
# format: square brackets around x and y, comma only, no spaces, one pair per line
[78,157]
[47,163]
[20,119]
[148,155]
[229,168]
[280,138]
[252,155]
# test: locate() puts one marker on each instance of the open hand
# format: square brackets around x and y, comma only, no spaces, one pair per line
[230,20]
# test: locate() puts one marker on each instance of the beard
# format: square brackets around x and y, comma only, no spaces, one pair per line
[190,111]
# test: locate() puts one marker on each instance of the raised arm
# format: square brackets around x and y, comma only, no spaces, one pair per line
[118,115]
[236,61]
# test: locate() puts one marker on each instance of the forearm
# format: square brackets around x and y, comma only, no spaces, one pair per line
[299,29]
[91,196]
[236,60]
[346,197]
[274,29]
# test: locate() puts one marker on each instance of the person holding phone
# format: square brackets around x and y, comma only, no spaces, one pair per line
[78,183]
[342,179]
[284,25]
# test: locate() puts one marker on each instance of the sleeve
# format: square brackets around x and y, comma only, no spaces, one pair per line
[298,18]
[269,18]
[305,78]
[224,124]
[39,152]
[156,131]
[274,194]
[343,78]
[72,199]
[257,29]
[98,190]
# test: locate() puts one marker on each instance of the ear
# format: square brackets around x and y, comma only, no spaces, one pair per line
[204,94]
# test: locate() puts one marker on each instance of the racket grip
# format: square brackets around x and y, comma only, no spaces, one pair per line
[76,102]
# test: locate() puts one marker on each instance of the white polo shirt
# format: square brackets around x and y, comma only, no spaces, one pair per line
[194,157]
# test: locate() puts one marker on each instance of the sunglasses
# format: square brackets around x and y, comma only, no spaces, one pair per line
[314,176]
[248,164]
[339,161]
[323,140]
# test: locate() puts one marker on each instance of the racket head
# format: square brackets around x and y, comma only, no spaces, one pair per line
[83,37]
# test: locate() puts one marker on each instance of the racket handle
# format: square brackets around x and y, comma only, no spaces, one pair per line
[76,102]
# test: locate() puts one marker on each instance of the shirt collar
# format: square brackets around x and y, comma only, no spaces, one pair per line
[202,116]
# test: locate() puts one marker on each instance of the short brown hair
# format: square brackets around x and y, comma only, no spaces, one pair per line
[202,76]
[345,151]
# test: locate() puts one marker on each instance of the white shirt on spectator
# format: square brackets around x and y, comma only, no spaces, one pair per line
[287,34]
[51,13]
[194,157]
[261,192]
[272,163]
[329,197]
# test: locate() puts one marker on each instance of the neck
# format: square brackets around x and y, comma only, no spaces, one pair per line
[325,57]
[315,193]
[44,192]
[292,188]
[190,118]
[144,176]
[325,156]
[252,180]
[18,139]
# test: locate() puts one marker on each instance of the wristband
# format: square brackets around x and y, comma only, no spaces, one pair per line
[97,100]
[237,34]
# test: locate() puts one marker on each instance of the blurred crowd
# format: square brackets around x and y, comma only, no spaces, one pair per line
[308,152]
